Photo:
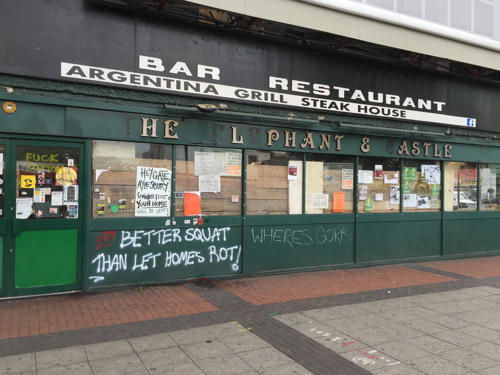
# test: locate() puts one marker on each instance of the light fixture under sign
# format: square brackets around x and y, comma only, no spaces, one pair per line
[9,107]
[207,108]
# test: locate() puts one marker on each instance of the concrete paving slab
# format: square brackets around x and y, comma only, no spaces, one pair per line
[163,359]
[18,363]
[130,363]
[60,357]
[153,342]
[470,360]
[108,350]
[433,364]
[73,369]
[231,364]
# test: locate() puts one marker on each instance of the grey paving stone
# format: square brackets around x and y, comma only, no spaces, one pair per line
[73,369]
[398,369]
[437,365]
[398,331]
[457,338]
[369,359]
[451,307]
[18,363]
[288,369]
[206,349]
[475,317]
[60,357]
[488,349]
[426,299]
[431,344]
[467,293]
[118,365]
[350,310]
[398,316]
[402,350]
[481,332]
[323,314]
[226,329]
[230,364]
[483,303]
[371,336]
[346,325]
[158,360]
[495,370]
[425,326]
[243,342]
[450,321]
[192,335]
[468,359]
[372,320]
[153,342]
[421,312]
[189,368]
[264,358]
[340,344]
[108,350]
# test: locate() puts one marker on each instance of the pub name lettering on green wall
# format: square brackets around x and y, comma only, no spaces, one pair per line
[288,138]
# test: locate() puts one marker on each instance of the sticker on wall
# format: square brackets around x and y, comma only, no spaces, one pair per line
[347,179]
[192,203]
[122,203]
[73,211]
[292,172]
[435,190]
[102,196]
[71,162]
[39,195]
[338,204]
[368,204]
[209,184]
[409,200]
[235,198]
[66,176]
[409,173]
[100,209]
[57,198]
[70,193]
[406,187]
[391,178]
[24,208]
[394,194]
[363,192]
[319,200]
[28,182]
[424,201]
[378,171]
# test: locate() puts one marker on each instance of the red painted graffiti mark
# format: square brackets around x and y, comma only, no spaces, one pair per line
[349,343]
[106,239]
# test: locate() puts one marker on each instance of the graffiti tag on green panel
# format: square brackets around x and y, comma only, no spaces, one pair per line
[134,256]
[406,187]
[409,173]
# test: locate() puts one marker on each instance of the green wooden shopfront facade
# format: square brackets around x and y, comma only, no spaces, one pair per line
[106,186]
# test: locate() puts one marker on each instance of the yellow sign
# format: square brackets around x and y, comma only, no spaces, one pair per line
[28,182]
[66,176]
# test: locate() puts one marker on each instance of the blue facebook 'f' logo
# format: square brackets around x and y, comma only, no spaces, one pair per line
[471,122]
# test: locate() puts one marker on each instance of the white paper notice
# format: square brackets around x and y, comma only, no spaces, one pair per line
[409,200]
[152,191]
[24,208]
[365,177]
[210,184]
[319,200]
[210,163]
[432,174]
[39,195]
[57,198]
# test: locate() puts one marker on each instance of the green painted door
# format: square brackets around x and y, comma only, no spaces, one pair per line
[43,218]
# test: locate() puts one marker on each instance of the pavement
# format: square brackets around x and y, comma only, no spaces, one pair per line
[434,318]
